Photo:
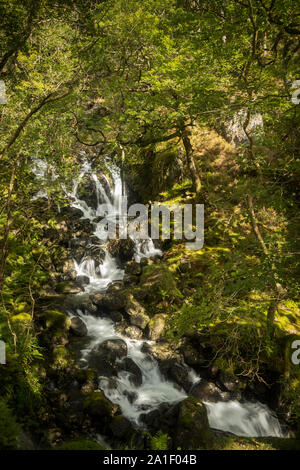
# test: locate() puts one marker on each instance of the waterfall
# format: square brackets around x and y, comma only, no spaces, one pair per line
[242,419]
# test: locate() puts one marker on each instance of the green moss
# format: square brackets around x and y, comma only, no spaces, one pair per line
[98,406]
[158,283]
[61,286]
[193,430]
[61,357]
[255,443]
[56,320]
[21,319]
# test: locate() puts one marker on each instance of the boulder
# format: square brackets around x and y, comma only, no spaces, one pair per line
[69,271]
[56,326]
[136,312]
[98,407]
[163,418]
[123,249]
[175,372]
[208,391]
[133,332]
[110,300]
[192,356]
[158,283]
[113,349]
[82,280]
[228,381]
[133,268]
[121,427]
[116,316]
[157,326]
[104,359]
[233,130]
[78,327]
[192,431]
[160,351]
[87,191]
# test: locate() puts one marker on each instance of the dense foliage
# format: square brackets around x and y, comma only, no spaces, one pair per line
[153,82]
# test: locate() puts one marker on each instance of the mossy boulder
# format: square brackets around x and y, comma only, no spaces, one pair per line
[136,312]
[56,326]
[20,321]
[193,430]
[121,427]
[87,379]
[98,407]
[157,326]
[55,320]
[61,358]
[123,249]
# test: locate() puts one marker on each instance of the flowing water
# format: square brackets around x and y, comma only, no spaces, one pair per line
[243,419]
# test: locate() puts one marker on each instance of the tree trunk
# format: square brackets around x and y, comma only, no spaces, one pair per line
[190,160]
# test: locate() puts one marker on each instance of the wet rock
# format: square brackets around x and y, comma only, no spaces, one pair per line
[157,326]
[131,396]
[192,357]
[89,307]
[68,288]
[136,312]
[133,332]
[113,349]
[176,373]
[71,212]
[110,300]
[82,280]
[116,316]
[87,191]
[160,351]
[133,268]
[69,272]
[121,427]
[123,249]
[193,430]
[228,381]
[98,406]
[88,380]
[78,327]
[162,418]
[129,365]
[208,391]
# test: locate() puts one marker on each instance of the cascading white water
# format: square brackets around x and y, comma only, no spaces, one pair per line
[108,270]
[133,400]
[243,419]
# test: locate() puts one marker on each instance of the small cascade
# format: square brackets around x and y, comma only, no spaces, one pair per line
[244,419]
[109,270]
[132,399]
